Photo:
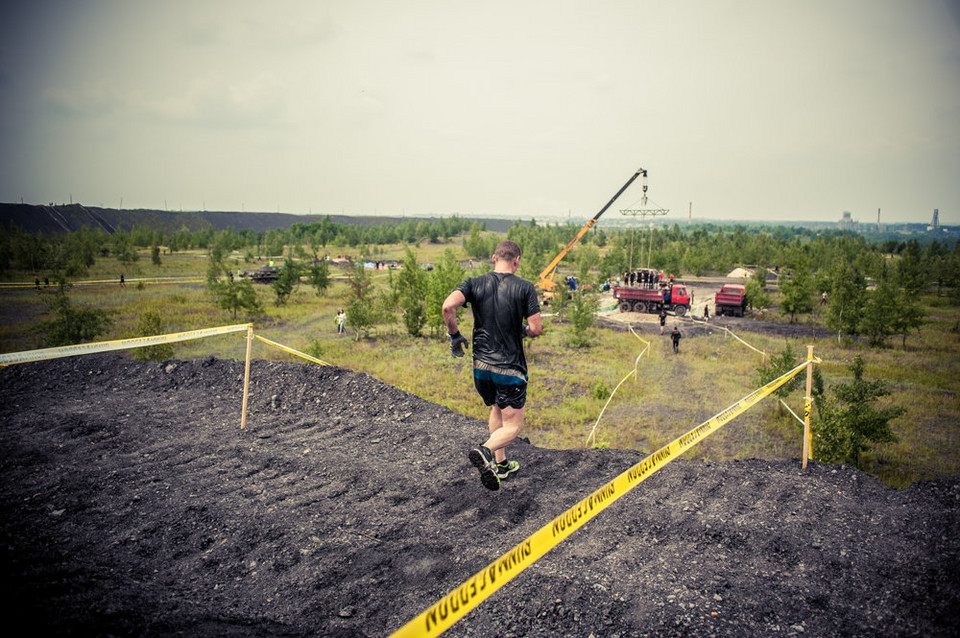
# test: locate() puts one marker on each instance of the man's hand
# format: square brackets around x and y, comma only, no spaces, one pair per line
[457,343]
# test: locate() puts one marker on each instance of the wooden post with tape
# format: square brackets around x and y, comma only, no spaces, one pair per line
[246,378]
[807,404]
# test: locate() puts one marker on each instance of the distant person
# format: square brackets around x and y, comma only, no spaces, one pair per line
[501,302]
[663,318]
[37,281]
[823,298]
[341,321]
[122,281]
[676,336]
[706,312]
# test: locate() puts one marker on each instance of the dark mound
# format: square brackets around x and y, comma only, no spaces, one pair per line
[133,505]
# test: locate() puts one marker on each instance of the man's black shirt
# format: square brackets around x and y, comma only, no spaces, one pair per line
[500,302]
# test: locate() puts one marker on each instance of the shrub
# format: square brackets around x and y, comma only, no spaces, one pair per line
[849,421]
[582,316]
[150,324]
[72,325]
[601,391]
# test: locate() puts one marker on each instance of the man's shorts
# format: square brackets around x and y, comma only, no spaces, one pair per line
[502,389]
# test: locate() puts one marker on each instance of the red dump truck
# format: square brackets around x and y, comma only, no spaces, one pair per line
[730,300]
[673,298]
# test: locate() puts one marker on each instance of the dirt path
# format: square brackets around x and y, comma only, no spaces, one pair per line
[133,505]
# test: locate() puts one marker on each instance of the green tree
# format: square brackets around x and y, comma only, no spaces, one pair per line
[775,367]
[361,311]
[582,312]
[912,272]
[587,258]
[850,422]
[559,301]
[150,324]
[71,325]
[797,292]
[231,294]
[319,276]
[533,263]
[757,297]
[411,288]
[848,290]
[273,243]
[287,281]
[478,246]
[908,316]
[446,275]
[879,310]
[124,249]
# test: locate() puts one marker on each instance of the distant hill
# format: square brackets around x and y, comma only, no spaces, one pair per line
[72,217]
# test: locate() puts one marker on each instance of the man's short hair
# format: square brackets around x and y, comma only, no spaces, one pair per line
[507,250]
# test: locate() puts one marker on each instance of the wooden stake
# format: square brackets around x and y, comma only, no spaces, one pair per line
[807,405]
[246,378]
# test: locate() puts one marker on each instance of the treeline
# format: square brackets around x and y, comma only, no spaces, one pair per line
[74,253]
[709,249]
[864,288]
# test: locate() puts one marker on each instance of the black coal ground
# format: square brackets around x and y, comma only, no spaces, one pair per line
[134,505]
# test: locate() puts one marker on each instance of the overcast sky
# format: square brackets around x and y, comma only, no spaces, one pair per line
[752,110]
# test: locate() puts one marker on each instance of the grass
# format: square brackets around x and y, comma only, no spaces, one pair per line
[669,395]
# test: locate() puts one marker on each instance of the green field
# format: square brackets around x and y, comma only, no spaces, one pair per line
[569,388]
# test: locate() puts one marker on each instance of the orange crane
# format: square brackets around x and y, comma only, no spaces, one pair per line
[546,283]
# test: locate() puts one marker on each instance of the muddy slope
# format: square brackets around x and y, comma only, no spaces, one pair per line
[133,505]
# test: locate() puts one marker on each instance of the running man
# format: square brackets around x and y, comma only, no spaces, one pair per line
[676,336]
[501,302]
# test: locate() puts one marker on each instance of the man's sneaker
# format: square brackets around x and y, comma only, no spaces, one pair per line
[482,459]
[506,468]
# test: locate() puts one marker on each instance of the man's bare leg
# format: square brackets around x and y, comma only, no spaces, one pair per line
[505,424]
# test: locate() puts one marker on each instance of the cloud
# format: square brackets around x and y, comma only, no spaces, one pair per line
[216,103]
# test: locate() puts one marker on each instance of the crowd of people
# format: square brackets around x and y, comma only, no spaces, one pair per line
[646,278]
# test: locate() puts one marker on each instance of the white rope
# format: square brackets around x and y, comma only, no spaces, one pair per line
[636,364]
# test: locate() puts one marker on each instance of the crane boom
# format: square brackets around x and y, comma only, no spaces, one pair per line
[546,282]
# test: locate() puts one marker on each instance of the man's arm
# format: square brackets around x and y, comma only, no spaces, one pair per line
[534,325]
[457,341]
[453,301]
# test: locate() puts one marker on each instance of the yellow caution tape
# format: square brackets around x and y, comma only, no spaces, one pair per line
[443,614]
[292,351]
[98,282]
[120,344]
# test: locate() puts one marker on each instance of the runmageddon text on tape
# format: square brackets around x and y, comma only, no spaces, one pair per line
[448,610]
[120,344]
